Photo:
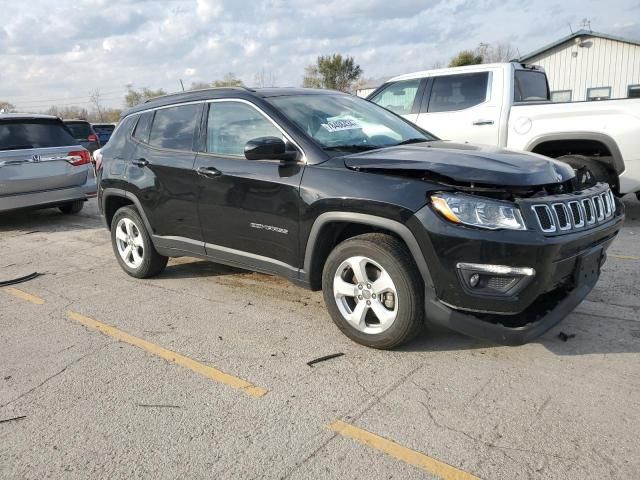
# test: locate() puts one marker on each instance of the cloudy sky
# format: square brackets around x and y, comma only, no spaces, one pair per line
[59,51]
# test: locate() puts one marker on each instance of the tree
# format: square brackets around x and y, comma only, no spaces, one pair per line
[134,97]
[465,57]
[496,53]
[229,80]
[199,85]
[68,112]
[264,79]
[7,107]
[334,72]
[96,100]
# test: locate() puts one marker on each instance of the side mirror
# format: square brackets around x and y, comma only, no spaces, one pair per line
[268,148]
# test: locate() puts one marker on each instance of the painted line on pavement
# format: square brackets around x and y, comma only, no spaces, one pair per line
[24,295]
[412,457]
[204,370]
[624,257]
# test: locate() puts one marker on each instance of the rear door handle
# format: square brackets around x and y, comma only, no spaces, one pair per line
[483,122]
[140,162]
[208,172]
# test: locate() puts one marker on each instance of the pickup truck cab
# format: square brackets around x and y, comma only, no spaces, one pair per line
[508,105]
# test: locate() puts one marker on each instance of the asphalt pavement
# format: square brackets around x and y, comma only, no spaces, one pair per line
[202,373]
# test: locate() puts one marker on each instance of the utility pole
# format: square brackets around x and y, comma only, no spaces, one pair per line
[181,84]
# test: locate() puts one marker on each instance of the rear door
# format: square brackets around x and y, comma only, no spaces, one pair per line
[461,107]
[33,157]
[160,172]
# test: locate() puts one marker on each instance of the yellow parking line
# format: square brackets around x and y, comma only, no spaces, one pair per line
[405,454]
[624,257]
[209,372]
[24,295]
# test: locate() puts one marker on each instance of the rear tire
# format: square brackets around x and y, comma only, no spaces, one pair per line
[133,247]
[589,171]
[72,207]
[373,291]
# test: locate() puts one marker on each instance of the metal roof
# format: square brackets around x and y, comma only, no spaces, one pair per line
[579,33]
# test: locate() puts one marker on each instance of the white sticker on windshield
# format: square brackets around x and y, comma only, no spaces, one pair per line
[339,125]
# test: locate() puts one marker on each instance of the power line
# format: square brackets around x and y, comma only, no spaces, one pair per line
[84,97]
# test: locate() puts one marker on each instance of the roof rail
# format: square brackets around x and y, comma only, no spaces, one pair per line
[175,94]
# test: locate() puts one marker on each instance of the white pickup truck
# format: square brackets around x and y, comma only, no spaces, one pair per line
[507,105]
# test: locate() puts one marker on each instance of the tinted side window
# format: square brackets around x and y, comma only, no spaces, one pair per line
[530,86]
[174,127]
[143,127]
[118,140]
[398,96]
[36,133]
[232,124]
[457,92]
[80,129]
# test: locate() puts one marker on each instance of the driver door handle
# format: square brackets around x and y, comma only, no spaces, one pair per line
[140,162]
[208,172]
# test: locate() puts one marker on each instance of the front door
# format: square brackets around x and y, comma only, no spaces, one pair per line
[248,208]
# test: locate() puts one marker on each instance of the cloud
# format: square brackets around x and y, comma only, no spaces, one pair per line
[82,45]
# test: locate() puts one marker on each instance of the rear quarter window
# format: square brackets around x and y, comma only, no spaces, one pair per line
[36,133]
[118,140]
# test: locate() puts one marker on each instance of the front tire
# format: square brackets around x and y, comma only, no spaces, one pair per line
[373,291]
[133,247]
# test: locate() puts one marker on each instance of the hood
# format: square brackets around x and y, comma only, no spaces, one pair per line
[465,163]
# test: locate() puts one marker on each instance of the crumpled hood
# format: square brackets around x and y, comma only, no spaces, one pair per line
[465,163]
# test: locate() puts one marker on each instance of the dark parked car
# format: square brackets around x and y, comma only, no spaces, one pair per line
[84,134]
[336,193]
[42,165]
[104,131]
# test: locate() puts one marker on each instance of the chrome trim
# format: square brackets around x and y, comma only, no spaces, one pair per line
[217,100]
[497,269]
[592,208]
[606,201]
[566,214]
[599,200]
[580,214]
[551,217]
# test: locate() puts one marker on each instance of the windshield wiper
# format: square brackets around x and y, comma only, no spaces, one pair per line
[357,148]
[411,140]
[16,147]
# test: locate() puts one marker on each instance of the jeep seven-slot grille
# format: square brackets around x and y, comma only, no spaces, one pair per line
[585,211]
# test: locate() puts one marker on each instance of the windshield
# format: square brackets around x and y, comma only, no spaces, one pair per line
[79,129]
[344,122]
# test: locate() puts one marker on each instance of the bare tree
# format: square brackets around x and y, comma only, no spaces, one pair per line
[199,85]
[265,79]
[7,107]
[496,53]
[229,80]
[96,101]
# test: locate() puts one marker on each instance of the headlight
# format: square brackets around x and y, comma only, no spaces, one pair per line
[478,211]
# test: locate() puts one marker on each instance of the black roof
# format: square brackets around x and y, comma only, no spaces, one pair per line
[225,92]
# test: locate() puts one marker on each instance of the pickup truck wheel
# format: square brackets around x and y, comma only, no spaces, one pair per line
[588,171]
[72,207]
[373,291]
[133,247]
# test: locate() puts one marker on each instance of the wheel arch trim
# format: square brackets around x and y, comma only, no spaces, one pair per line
[365,219]
[117,192]
[606,140]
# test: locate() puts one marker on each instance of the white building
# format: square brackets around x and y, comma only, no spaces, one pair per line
[588,65]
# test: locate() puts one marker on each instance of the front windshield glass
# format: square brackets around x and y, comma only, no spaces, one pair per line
[344,122]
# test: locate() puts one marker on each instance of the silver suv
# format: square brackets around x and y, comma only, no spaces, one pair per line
[42,165]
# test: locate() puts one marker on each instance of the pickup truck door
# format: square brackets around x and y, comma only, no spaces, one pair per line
[462,107]
[247,208]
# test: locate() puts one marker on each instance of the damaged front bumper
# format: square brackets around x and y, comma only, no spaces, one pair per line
[551,276]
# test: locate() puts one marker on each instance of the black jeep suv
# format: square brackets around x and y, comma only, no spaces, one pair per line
[336,193]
